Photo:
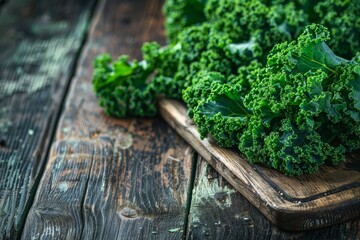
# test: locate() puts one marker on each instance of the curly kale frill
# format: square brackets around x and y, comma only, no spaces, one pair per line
[302,109]
[257,24]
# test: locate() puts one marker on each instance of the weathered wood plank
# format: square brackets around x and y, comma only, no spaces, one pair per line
[218,211]
[113,186]
[39,42]
[328,197]
[112,178]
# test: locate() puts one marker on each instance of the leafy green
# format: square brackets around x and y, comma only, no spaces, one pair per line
[230,104]
[224,115]
[121,87]
[304,103]
[254,74]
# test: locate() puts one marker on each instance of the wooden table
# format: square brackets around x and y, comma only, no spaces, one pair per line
[68,171]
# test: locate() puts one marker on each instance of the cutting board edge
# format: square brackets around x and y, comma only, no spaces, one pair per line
[285,214]
[292,216]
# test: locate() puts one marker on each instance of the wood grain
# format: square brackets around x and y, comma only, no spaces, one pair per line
[112,178]
[39,42]
[294,203]
[218,211]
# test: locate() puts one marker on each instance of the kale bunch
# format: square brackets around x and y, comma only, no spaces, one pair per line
[251,77]
[301,109]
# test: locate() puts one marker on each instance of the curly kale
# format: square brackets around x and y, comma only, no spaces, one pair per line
[251,77]
[303,107]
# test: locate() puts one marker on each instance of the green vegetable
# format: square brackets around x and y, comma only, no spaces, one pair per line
[291,105]
[303,108]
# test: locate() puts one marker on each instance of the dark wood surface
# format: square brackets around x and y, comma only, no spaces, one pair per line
[112,178]
[330,196]
[39,45]
[104,178]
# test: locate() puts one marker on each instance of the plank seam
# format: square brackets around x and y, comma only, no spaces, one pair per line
[52,127]
[189,196]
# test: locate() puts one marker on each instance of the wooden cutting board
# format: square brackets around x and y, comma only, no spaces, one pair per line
[330,196]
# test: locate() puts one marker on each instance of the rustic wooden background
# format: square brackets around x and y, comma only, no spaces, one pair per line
[67,171]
